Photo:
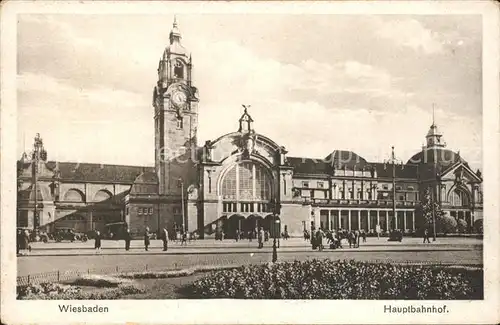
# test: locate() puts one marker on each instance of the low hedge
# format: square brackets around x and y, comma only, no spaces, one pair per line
[328,279]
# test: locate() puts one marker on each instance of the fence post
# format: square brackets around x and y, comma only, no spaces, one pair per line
[88,271]
[146,267]
[58,276]
[29,279]
[117,269]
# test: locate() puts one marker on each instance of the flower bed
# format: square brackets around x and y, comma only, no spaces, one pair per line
[327,279]
[115,289]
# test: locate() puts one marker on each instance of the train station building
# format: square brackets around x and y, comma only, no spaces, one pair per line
[241,180]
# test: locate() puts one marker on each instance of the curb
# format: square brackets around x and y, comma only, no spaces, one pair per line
[351,250]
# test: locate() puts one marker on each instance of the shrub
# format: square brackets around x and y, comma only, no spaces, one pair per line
[327,279]
[461,226]
[447,224]
[478,226]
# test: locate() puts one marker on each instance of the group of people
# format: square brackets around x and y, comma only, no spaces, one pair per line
[334,238]
[127,237]
[255,234]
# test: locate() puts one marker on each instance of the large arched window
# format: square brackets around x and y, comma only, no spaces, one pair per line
[102,195]
[247,181]
[458,198]
[74,195]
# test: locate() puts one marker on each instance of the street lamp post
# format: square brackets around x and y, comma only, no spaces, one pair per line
[393,161]
[433,200]
[182,207]
[275,250]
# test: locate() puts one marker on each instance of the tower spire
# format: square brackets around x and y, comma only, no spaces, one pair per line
[175,34]
[433,136]
[433,114]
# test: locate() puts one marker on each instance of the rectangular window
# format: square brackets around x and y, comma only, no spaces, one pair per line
[321,184]
[150,210]
[180,123]
[385,187]
[401,197]
[126,211]
[305,184]
[139,210]
[398,188]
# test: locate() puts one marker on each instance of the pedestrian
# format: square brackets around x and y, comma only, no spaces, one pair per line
[266,235]
[286,235]
[426,236]
[363,235]
[146,239]
[26,241]
[237,235]
[319,239]
[358,237]
[260,237]
[97,241]
[184,238]
[128,237]
[19,239]
[352,239]
[164,238]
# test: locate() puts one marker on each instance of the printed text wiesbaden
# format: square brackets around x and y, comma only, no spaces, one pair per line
[83,309]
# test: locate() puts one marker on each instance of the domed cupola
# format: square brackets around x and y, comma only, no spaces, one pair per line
[433,136]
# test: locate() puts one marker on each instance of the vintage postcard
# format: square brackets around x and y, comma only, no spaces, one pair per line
[250,162]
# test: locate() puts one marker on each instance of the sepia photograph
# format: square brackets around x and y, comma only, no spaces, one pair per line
[250,155]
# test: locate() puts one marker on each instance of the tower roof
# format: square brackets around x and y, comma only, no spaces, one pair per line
[175,41]
[246,121]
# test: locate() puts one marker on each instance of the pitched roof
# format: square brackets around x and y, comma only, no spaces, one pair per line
[97,172]
[302,165]
[402,171]
[312,166]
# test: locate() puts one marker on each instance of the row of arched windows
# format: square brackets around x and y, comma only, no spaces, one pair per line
[75,195]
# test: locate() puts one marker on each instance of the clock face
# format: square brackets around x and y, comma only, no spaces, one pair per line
[179,98]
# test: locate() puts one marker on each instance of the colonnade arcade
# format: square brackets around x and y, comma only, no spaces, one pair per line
[366,219]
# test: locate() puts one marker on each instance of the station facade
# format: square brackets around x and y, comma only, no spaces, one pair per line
[242,180]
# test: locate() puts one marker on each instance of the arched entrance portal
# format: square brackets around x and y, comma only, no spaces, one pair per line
[253,223]
[235,222]
[272,224]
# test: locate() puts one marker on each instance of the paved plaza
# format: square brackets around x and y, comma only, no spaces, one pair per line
[81,256]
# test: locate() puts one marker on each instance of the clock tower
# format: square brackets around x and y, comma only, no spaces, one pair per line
[175,103]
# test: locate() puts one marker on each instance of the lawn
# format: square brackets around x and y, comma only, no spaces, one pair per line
[170,288]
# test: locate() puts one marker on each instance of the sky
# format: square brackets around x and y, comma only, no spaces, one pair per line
[316,83]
